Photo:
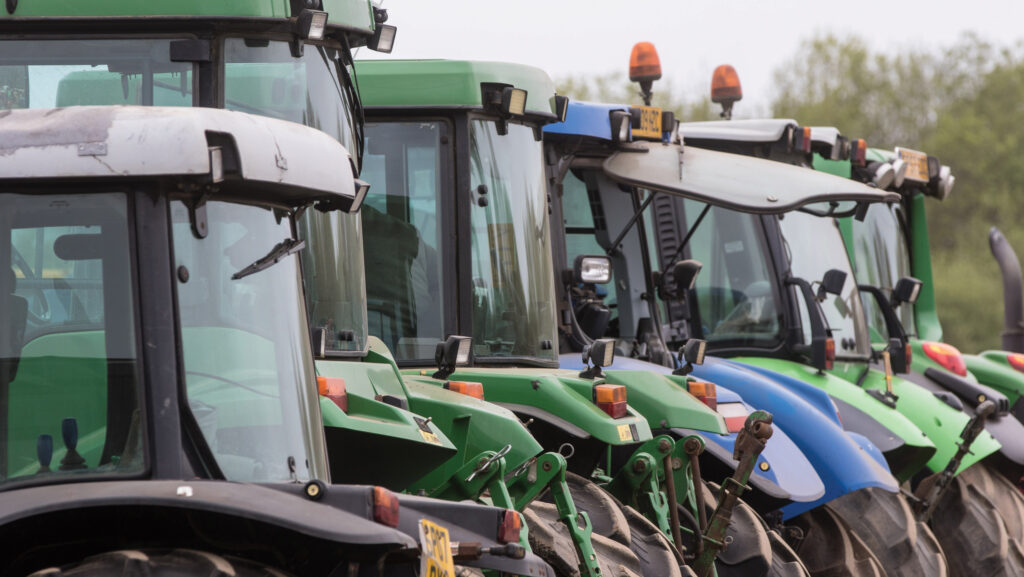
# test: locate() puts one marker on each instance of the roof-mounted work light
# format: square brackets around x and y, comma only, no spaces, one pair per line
[383,39]
[312,24]
[726,89]
[645,68]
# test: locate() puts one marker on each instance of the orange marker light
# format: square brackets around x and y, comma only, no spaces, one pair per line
[475,390]
[705,392]
[858,152]
[385,507]
[510,528]
[725,85]
[334,389]
[1016,361]
[611,399]
[946,355]
[830,354]
[644,64]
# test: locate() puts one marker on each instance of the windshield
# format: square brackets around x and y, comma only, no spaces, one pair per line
[335,292]
[54,73]
[814,245]
[248,368]
[262,77]
[68,370]
[513,284]
[881,258]
[403,164]
[736,298]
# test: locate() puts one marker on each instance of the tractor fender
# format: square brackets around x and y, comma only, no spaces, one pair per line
[993,368]
[840,461]
[251,502]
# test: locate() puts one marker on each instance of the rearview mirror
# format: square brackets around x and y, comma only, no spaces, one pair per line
[907,290]
[831,283]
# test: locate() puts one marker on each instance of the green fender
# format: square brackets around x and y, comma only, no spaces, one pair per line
[941,423]
[916,449]
[665,401]
[559,393]
[992,368]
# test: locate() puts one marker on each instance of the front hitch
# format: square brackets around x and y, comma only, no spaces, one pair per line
[749,443]
[929,492]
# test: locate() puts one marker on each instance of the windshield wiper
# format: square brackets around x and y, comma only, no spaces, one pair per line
[282,249]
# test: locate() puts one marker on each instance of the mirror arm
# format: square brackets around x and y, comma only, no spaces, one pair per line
[613,247]
[892,322]
[819,326]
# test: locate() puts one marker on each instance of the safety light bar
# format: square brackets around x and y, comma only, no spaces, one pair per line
[611,399]
[946,355]
[510,528]
[334,389]
[385,507]
[312,24]
[705,392]
[468,388]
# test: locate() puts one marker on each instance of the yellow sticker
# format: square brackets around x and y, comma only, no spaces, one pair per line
[436,558]
[430,437]
[917,164]
[650,122]
[624,433]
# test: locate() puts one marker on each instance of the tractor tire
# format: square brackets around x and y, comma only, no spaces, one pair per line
[972,532]
[1003,493]
[886,524]
[829,548]
[754,549]
[622,525]
[176,563]
[550,540]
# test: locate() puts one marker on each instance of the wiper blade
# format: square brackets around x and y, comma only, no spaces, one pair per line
[282,249]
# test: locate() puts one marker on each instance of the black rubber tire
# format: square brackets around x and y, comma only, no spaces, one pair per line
[175,563]
[1004,495]
[754,550]
[886,524]
[971,530]
[612,520]
[829,548]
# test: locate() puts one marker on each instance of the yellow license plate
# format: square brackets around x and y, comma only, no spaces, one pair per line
[917,164]
[650,122]
[436,560]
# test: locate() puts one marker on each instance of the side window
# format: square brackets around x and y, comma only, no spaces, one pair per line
[402,163]
[581,224]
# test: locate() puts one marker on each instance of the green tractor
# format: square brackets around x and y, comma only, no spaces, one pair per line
[455,238]
[224,388]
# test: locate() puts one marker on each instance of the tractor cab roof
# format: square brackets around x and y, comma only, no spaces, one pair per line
[279,158]
[451,84]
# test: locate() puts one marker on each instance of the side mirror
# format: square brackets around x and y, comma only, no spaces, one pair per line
[600,353]
[907,290]
[682,278]
[892,323]
[455,351]
[691,353]
[831,283]
[592,269]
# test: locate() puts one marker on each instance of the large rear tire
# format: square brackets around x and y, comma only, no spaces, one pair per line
[176,563]
[754,550]
[885,522]
[972,532]
[829,548]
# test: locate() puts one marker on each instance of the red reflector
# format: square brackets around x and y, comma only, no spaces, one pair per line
[735,415]
[805,144]
[385,507]
[705,392]
[475,390]
[830,354]
[510,528]
[1016,361]
[946,355]
[334,389]
[611,399]
[910,354]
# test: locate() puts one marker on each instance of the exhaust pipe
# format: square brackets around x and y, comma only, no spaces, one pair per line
[1013,294]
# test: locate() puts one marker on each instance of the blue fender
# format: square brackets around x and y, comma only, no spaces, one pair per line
[790,475]
[844,462]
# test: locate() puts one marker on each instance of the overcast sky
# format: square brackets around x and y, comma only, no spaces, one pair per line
[692,36]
